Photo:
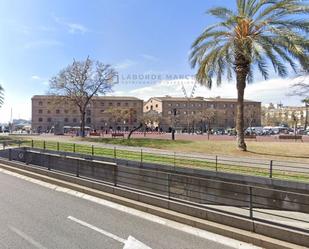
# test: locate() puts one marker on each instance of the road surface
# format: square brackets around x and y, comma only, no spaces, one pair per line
[34,216]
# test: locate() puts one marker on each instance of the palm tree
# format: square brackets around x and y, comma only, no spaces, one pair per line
[306,102]
[1,95]
[258,34]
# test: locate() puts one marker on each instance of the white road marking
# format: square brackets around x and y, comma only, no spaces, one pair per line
[130,243]
[169,223]
[27,238]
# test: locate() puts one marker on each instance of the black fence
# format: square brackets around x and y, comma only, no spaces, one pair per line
[284,208]
[287,170]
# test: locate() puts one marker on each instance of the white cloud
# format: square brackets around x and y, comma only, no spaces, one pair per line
[273,90]
[35,77]
[43,80]
[125,64]
[71,27]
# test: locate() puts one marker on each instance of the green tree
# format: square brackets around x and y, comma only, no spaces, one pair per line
[259,33]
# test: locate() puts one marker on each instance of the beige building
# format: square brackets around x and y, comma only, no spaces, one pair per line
[103,113]
[198,113]
[277,114]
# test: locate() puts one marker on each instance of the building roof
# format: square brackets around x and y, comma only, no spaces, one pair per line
[216,99]
[95,97]
[219,99]
[169,98]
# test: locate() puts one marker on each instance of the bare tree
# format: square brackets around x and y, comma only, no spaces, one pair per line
[80,81]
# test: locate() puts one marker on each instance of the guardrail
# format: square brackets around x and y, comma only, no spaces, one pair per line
[283,208]
[287,170]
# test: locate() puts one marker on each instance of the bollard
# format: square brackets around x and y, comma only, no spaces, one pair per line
[58,146]
[115,153]
[32,144]
[92,150]
[44,145]
[271,169]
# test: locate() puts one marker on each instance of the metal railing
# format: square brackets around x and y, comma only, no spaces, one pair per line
[284,208]
[287,170]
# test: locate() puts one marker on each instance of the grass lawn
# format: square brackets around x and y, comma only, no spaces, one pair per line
[294,151]
[183,161]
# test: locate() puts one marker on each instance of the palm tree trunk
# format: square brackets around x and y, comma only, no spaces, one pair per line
[241,75]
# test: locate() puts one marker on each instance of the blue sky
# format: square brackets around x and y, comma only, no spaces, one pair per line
[39,37]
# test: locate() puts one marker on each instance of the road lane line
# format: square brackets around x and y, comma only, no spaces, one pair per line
[143,215]
[85,224]
[27,238]
[130,243]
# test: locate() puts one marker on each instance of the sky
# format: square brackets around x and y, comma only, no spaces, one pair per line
[146,41]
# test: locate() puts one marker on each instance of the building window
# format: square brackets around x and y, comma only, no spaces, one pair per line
[74,120]
[232,105]
[88,112]
[102,103]
[126,104]
[66,120]
[48,111]
[184,105]
[88,120]
[224,105]
[40,119]
[118,104]
[49,120]
[66,111]
[169,112]
[184,112]
[74,111]
[147,107]
[57,111]
[40,103]
[102,111]
[177,104]
[169,104]
[156,105]
[40,111]
[134,104]
[110,104]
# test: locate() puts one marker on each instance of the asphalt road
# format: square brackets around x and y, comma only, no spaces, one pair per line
[33,216]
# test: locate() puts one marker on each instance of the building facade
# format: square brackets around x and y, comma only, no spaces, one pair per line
[199,113]
[278,114]
[103,113]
